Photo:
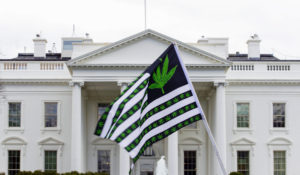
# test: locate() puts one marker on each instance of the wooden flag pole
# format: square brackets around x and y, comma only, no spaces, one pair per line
[212,140]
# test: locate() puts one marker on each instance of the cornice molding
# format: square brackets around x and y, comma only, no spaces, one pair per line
[34,81]
[220,83]
[79,83]
[263,82]
[191,66]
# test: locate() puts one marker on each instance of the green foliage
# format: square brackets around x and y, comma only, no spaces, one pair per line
[24,173]
[162,77]
[50,173]
[37,172]
[235,173]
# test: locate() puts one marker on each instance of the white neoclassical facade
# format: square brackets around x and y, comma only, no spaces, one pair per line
[50,103]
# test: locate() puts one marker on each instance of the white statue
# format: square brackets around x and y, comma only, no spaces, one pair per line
[161,168]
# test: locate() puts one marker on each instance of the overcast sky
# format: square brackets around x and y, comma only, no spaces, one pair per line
[277,22]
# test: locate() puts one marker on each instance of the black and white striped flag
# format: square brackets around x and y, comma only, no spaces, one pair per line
[158,103]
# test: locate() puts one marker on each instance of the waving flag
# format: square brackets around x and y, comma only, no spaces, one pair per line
[158,103]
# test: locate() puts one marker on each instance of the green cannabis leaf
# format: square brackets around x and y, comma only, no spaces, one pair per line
[161,78]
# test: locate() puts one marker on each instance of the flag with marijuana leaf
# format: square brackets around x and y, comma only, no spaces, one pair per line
[158,103]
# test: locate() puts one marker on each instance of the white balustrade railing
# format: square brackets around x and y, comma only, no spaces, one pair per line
[278,67]
[242,67]
[51,66]
[15,66]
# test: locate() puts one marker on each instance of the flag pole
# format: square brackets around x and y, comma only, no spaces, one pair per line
[145,6]
[212,140]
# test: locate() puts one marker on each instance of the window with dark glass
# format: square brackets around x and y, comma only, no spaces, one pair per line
[13,162]
[14,114]
[104,161]
[101,109]
[242,115]
[279,163]
[278,115]
[51,114]
[146,167]
[146,172]
[51,161]
[190,161]
[243,162]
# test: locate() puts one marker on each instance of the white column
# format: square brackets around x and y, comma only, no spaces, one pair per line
[3,167]
[124,161]
[77,132]
[220,126]
[173,154]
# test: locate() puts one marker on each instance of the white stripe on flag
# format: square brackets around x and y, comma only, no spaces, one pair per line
[145,99]
[115,106]
[130,104]
[130,138]
[122,127]
[133,101]
[162,128]
[165,98]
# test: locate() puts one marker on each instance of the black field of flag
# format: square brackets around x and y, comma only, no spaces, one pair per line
[155,105]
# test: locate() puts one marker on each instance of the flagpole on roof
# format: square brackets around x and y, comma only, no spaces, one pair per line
[212,140]
[145,6]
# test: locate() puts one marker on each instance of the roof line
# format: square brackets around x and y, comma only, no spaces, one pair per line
[107,47]
[144,33]
[184,45]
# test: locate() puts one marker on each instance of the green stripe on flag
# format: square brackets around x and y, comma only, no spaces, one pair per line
[166,133]
[103,118]
[156,124]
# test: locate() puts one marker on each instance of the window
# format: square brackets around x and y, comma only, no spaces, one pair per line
[104,161]
[68,45]
[51,114]
[242,115]
[147,166]
[190,163]
[243,162]
[51,161]
[278,115]
[101,109]
[14,114]
[279,163]
[13,162]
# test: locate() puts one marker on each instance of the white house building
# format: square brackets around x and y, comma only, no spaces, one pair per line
[50,103]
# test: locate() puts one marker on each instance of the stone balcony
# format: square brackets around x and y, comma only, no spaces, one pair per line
[34,70]
[264,71]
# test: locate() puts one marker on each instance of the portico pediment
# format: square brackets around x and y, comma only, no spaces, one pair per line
[50,141]
[242,141]
[14,141]
[141,50]
[194,140]
[100,141]
[279,141]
